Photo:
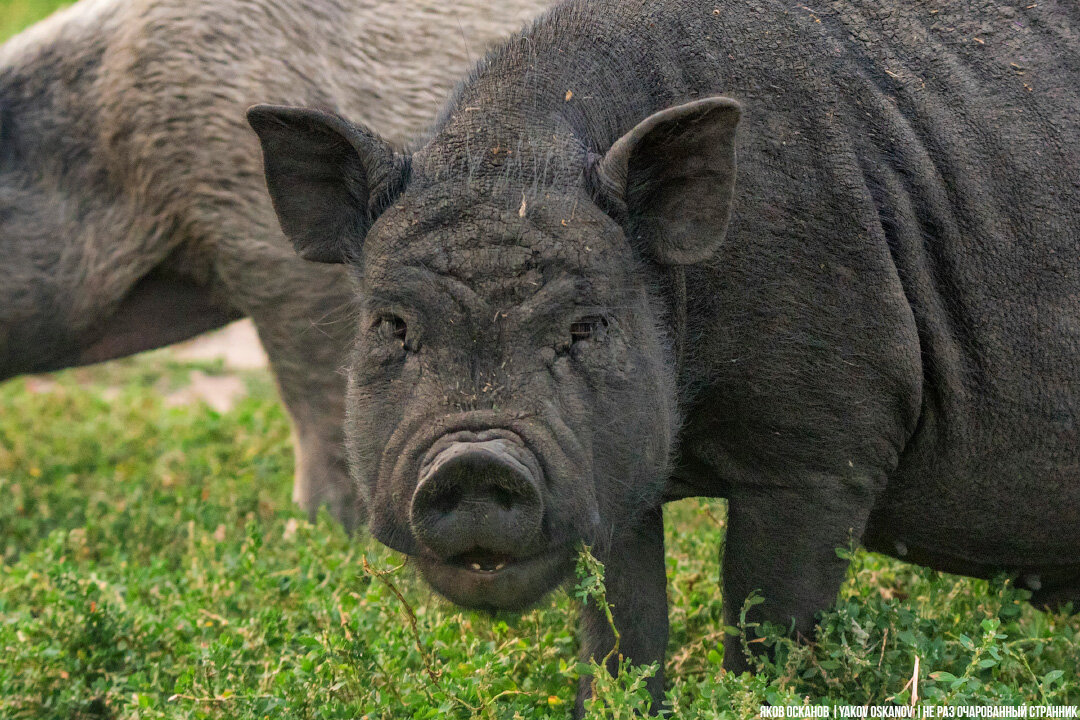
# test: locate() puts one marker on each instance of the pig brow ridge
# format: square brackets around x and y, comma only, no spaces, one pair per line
[417,283]
[420,284]
[553,296]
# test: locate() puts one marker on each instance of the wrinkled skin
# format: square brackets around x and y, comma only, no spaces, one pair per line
[482,354]
[653,252]
[133,212]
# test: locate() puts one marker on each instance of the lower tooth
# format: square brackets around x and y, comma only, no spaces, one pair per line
[475,566]
[500,566]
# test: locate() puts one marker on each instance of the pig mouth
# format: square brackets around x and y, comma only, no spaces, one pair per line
[493,582]
[484,504]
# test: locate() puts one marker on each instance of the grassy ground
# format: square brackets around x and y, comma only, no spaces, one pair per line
[153,566]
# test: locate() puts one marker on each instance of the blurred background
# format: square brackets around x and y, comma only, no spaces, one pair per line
[17,14]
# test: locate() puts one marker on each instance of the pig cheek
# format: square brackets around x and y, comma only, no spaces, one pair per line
[632,440]
[572,491]
[381,386]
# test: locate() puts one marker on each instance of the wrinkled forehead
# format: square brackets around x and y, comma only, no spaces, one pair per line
[502,252]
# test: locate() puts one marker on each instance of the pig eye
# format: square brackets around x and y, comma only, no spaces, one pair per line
[587,328]
[391,327]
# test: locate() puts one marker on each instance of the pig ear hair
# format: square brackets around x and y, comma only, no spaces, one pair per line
[329,179]
[672,179]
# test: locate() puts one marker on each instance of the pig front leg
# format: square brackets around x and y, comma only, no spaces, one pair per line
[636,583]
[782,543]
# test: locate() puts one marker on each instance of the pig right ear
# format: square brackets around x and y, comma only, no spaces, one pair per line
[672,178]
[329,180]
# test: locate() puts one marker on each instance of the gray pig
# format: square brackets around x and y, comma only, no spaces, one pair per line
[573,308]
[133,211]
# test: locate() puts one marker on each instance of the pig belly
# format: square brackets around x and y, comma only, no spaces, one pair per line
[983,510]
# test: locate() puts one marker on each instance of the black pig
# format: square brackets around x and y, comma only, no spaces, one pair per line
[574,308]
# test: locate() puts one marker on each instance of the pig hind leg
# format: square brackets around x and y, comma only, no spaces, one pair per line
[1056,596]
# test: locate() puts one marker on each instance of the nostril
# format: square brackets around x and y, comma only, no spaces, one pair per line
[445,502]
[503,498]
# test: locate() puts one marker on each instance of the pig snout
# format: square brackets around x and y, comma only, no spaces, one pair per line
[479,504]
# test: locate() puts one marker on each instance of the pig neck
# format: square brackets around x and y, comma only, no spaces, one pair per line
[573,83]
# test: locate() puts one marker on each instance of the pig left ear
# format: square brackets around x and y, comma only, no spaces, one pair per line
[673,179]
[329,180]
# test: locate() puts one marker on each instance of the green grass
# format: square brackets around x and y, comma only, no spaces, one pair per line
[153,566]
